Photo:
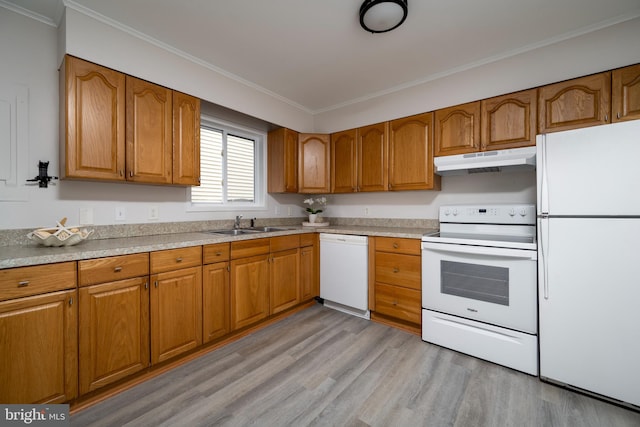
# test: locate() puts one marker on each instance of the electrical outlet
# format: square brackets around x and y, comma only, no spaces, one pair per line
[121,213]
[86,216]
[366,211]
[154,212]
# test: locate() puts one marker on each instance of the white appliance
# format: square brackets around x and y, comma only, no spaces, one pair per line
[589,267]
[479,284]
[343,273]
[510,160]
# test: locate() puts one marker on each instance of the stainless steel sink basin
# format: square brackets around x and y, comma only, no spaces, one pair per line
[268,229]
[233,232]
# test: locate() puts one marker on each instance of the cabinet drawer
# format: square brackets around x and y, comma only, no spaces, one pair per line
[246,248]
[110,269]
[282,243]
[398,269]
[401,303]
[39,279]
[215,253]
[398,245]
[174,259]
[308,239]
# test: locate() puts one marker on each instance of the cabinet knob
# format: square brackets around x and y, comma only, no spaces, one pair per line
[218,253]
[618,115]
[395,246]
[23,283]
[71,301]
[155,283]
[146,285]
[396,270]
[131,174]
[179,259]
[117,269]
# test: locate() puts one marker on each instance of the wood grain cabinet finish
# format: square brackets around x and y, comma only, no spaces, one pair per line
[373,157]
[395,283]
[215,301]
[149,132]
[314,163]
[625,93]
[509,121]
[174,259]
[577,103]
[111,269]
[113,331]
[284,280]
[176,312]
[249,290]
[186,139]
[457,129]
[411,154]
[282,158]
[38,279]
[39,348]
[92,121]
[309,266]
[344,163]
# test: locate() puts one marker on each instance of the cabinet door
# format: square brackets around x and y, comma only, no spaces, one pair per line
[308,272]
[458,129]
[509,121]
[343,162]
[282,155]
[113,331]
[215,301]
[176,313]
[313,163]
[186,139]
[399,303]
[149,132]
[92,124]
[575,103]
[373,152]
[249,290]
[625,88]
[411,153]
[285,276]
[38,349]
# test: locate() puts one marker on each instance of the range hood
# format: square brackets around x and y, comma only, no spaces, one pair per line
[511,160]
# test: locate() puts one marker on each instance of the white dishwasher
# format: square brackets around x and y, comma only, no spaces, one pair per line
[343,273]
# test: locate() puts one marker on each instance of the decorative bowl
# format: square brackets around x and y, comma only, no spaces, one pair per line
[59,236]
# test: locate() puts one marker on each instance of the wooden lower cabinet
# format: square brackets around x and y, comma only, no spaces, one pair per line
[176,312]
[285,280]
[39,348]
[113,331]
[398,302]
[215,301]
[249,290]
[308,273]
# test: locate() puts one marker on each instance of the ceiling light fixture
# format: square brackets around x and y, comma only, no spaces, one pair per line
[380,16]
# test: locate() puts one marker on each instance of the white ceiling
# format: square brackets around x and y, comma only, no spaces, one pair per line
[315,55]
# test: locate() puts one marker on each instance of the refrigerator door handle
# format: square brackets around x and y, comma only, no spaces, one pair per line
[543,259]
[544,178]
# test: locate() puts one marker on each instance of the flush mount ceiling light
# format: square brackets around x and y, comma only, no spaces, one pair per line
[380,16]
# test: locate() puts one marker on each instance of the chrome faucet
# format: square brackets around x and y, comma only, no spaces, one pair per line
[236,224]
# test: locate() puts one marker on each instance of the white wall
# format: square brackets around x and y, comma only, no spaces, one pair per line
[30,57]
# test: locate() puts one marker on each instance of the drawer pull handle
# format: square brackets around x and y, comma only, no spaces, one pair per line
[117,269]
[155,283]
[396,270]
[146,285]
[218,253]
[71,301]
[179,259]
[395,246]
[23,283]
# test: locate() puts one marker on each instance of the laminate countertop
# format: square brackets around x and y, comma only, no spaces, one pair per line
[34,254]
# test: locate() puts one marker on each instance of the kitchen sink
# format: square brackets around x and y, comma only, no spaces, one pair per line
[269,229]
[233,232]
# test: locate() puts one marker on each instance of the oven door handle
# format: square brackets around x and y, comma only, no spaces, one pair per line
[481,250]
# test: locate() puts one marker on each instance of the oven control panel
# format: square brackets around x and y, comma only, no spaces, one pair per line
[489,214]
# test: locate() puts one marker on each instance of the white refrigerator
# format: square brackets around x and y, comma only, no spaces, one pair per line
[589,259]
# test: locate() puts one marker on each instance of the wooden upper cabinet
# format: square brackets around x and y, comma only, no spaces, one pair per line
[186,139]
[509,121]
[625,93]
[149,132]
[576,103]
[344,162]
[458,129]
[411,154]
[313,163]
[373,153]
[92,126]
[282,157]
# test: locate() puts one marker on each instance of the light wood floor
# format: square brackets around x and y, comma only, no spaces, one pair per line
[323,367]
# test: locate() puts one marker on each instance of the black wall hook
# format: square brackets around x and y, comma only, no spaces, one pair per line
[43,177]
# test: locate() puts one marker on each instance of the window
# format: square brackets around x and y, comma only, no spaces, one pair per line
[230,167]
